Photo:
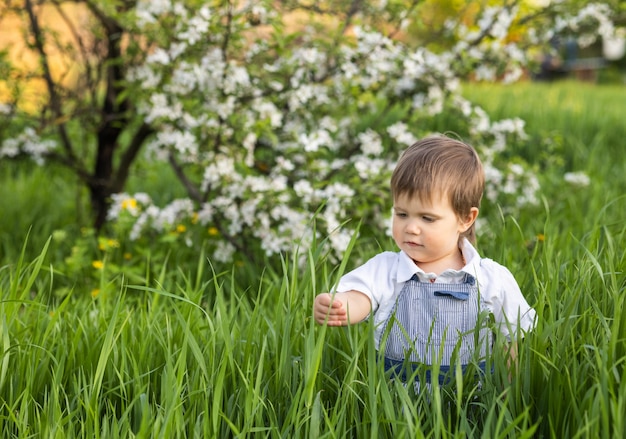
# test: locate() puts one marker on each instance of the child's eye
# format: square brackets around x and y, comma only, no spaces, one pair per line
[401,214]
[428,219]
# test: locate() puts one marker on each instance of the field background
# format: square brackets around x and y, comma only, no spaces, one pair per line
[183,351]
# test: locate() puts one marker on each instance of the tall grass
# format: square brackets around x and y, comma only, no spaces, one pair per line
[202,354]
[30,206]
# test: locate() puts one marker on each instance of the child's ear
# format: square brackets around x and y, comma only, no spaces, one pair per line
[466,223]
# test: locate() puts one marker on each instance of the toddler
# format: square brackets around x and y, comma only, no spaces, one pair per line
[429,300]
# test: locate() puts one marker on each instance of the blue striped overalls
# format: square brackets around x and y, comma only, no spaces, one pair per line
[436,322]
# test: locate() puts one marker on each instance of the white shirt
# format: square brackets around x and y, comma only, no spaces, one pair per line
[383,276]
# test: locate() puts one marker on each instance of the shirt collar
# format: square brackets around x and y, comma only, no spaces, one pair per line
[472,258]
[407,268]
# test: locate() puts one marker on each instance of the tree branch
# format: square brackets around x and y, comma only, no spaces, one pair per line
[192,190]
[54,100]
[487,29]
[355,6]
[82,50]
[130,155]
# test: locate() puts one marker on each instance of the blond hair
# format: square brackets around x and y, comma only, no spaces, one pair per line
[441,166]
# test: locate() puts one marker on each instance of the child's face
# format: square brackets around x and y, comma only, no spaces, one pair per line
[428,231]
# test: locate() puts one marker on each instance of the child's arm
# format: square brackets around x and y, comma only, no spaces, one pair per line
[342,308]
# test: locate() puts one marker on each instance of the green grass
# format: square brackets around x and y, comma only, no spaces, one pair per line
[30,205]
[187,351]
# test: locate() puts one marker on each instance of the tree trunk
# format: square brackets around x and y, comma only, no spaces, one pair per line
[114,119]
[101,186]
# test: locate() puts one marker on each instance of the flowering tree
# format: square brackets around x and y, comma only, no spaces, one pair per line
[282,120]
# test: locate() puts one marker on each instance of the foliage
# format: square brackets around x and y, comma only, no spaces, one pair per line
[269,112]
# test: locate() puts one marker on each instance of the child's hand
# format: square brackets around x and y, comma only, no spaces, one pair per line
[325,306]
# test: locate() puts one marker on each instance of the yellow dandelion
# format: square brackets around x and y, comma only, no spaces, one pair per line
[127,256]
[129,203]
[95,292]
[541,237]
[114,243]
[97,265]
[213,231]
[181,228]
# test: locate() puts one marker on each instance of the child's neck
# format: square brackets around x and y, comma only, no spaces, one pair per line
[457,262]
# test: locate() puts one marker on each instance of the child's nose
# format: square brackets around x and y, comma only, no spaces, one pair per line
[413,228]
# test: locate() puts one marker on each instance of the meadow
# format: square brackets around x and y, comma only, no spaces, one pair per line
[190,351]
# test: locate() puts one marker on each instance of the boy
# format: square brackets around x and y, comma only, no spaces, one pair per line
[428,297]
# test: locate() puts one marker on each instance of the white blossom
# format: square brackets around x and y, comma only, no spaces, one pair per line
[371,142]
[267,110]
[304,190]
[146,75]
[161,109]
[196,27]
[315,140]
[310,56]
[401,134]
[340,239]
[224,252]
[284,165]
[27,142]
[257,184]
[221,167]
[159,56]
[249,144]
[337,190]
[485,73]
[225,108]
[481,122]
[236,77]
[184,79]
[531,188]
[511,126]
[205,214]
[497,21]
[512,75]
[10,148]
[493,181]
[183,142]
[577,179]
[172,213]
[148,10]
[367,167]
